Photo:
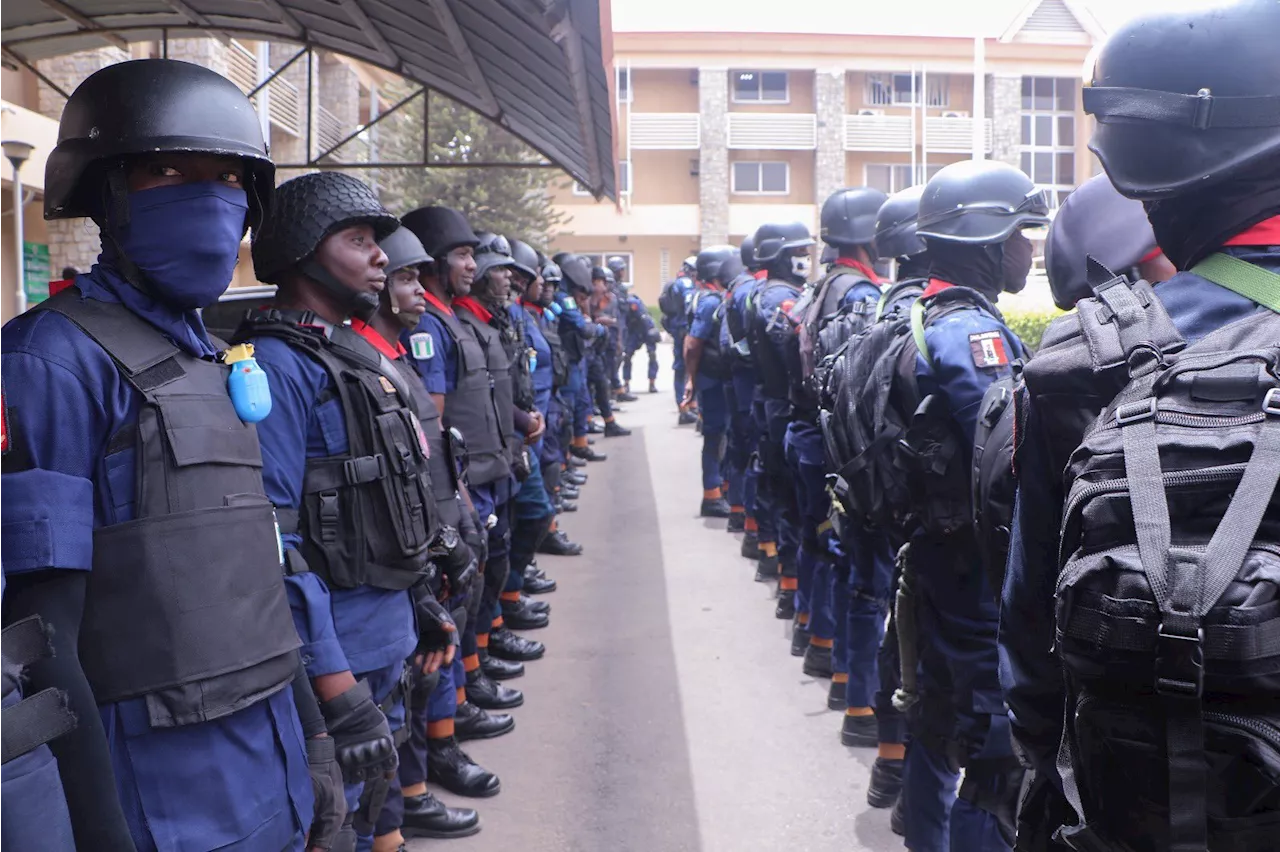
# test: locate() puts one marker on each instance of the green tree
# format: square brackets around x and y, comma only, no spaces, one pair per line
[510,201]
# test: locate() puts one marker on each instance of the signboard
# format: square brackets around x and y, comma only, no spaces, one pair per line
[36,271]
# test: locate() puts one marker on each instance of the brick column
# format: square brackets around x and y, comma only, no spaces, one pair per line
[713,159]
[829,162]
[1004,106]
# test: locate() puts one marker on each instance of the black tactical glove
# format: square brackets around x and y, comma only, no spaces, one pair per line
[326,783]
[436,628]
[360,734]
[475,534]
[454,558]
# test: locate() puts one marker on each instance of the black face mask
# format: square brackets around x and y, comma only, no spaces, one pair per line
[1190,227]
[1015,264]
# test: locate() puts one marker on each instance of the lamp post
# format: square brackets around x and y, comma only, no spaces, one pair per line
[18,153]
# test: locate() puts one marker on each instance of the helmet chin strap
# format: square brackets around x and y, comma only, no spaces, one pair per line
[360,305]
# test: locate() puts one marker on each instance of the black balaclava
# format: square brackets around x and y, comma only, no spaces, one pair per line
[990,269]
[916,266]
[1190,227]
[780,267]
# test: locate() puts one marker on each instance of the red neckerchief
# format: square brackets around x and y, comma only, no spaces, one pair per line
[475,307]
[379,342]
[1151,255]
[712,286]
[867,272]
[760,275]
[56,287]
[1265,233]
[431,299]
[532,307]
[936,286]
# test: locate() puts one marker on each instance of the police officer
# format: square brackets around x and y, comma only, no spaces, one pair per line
[707,371]
[971,217]
[412,809]
[195,740]
[602,355]
[640,331]
[1186,125]
[782,251]
[578,333]
[674,304]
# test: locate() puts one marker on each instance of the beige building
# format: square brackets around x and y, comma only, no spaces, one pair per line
[719,131]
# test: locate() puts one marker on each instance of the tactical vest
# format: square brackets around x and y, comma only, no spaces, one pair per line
[517,347]
[559,358]
[186,603]
[367,515]
[444,475]
[498,365]
[714,364]
[470,406]
[769,362]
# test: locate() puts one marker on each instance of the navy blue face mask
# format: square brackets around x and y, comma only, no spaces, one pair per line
[186,240]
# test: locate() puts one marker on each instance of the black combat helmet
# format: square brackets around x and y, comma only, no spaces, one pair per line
[1095,221]
[525,259]
[896,225]
[979,202]
[774,240]
[849,216]
[151,106]
[1186,99]
[492,252]
[747,252]
[441,229]
[617,266]
[403,249]
[711,260]
[575,270]
[307,209]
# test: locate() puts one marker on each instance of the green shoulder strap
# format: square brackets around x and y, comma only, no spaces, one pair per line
[1239,276]
[881,304]
[917,329]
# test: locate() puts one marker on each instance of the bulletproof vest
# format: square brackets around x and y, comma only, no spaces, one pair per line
[444,475]
[517,348]
[714,364]
[571,338]
[186,603]
[498,369]
[769,363]
[559,359]
[26,723]
[994,484]
[470,405]
[368,515]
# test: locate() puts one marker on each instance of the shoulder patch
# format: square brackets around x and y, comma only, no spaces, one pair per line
[422,346]
[988,349]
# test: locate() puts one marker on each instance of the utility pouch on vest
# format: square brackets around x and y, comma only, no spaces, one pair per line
[186,604]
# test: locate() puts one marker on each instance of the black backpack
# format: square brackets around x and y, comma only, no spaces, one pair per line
[1167,608]
[994,483]
[670,302]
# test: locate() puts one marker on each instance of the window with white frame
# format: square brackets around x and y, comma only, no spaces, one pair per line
[761,178]
[760,87]
[624,180]
[895,177]
[1049,134]
[623,87]
[896,89]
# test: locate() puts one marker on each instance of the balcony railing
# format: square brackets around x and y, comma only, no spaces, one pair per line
[665,131]
[773,131]
[954,134]
[284,103]
[877,133]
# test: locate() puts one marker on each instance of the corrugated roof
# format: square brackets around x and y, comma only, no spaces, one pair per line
[534,67]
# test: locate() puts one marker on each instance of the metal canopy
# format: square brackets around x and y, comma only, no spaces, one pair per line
[534,67]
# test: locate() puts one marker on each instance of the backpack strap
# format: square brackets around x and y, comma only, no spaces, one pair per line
[1125,323]
[917,329]
[1256,284]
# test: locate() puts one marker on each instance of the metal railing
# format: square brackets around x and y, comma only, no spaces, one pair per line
[773,131]
[954,135]
[665,130]
[284,103]
[877,133]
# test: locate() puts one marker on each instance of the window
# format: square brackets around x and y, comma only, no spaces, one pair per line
[894,177]
[623,87]
[624,180]
[896,89]
[601,259]
[761,178]
[1049,134]
[760,87]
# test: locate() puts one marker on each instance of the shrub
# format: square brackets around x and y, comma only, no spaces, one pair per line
[1030,324]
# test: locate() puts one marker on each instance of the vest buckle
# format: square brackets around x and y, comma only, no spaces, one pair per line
[365,469]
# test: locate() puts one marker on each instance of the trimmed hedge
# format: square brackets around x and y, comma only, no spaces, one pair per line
[1030,325]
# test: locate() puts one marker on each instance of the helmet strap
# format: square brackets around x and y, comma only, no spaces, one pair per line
[359,305]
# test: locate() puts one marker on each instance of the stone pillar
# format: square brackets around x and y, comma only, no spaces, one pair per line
[1004,106]
[72,242]
[201,51]
[829,162]
[713,159]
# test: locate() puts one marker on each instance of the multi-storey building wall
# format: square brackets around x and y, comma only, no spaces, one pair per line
[721,131]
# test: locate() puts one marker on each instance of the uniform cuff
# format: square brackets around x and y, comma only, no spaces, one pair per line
[47,522]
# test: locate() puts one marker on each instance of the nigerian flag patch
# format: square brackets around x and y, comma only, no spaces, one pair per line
[422,346]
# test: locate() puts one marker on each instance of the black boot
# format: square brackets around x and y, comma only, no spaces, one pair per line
[488,694]
[535,585]
[472,723]
[898,818]
[613,430]
[714,508]
[575,478]
[653,387]
[506,645]
[567,506]
[786,608]
[624,396]
[836,695]
[535,606]
[766,568]
[594,428]
[587,454]
[817,661]
[737,522]
[499,669]
[558,544]
[799,641]
[427,816]
[517,616]
[450,767]
[574,461]
[886,782]
[751,546]
[860,731]
[687,417]
[568,492]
